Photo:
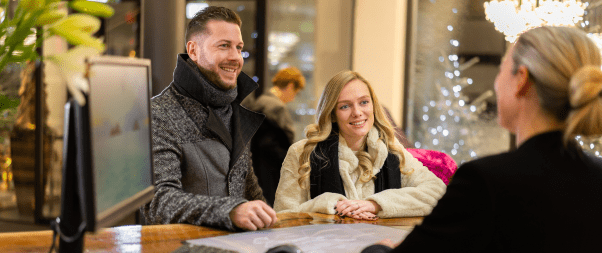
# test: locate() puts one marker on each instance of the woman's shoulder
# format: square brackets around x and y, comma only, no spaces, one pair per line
[504,167]
[298,146]
[496,161]
[293,154]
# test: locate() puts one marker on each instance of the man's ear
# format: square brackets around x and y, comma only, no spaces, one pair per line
[192,50]
[524,83]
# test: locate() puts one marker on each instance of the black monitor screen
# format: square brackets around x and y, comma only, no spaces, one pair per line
[120,140]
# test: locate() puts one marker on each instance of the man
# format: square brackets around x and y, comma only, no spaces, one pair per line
[276,134]
[201,134]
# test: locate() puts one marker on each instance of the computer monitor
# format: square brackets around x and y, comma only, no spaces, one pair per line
[107,169]
[119,107]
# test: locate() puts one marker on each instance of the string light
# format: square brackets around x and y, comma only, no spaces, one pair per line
[450,121]
[590,144]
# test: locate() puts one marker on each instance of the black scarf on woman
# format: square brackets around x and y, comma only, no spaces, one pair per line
[325,175]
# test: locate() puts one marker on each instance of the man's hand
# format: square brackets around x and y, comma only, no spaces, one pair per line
[253,215]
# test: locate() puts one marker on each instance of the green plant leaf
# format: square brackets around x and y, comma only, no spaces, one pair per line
[72,67]
[50,17]
[92,8]
[77,37]
[7,103]
[82,22]
[27,53]
[32,4]
[21,32]
[77,30]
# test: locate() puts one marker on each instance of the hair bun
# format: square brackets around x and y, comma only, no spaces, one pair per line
[585,85]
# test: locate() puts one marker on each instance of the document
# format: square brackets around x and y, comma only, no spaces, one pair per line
[327,238]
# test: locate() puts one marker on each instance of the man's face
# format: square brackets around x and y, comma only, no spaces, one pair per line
[289,93]
[217,52]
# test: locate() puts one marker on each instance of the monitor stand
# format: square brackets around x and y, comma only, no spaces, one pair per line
[71,225]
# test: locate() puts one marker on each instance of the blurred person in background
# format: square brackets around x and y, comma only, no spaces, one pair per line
[276,133]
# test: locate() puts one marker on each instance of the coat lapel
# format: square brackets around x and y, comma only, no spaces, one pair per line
[244,125]
[244,122]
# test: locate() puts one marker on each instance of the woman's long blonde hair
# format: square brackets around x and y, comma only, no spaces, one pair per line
[320,130]
[564,64]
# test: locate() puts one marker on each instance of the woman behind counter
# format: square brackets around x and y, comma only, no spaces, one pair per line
[545,196]
[351,164]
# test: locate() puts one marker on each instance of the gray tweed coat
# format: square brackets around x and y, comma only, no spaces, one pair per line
[201,171]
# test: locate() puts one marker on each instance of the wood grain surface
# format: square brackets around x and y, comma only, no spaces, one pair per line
[167,238]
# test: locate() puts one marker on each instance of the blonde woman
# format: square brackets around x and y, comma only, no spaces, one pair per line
[545,196]
[351,164]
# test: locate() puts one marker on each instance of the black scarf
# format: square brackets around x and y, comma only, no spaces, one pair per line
[325,175]
[210,95]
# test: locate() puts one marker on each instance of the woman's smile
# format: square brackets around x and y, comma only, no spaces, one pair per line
[354,112]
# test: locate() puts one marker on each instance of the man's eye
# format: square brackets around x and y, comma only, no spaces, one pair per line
[239,48]
[223,45]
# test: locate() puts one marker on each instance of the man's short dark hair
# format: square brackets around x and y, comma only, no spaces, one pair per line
[198,24]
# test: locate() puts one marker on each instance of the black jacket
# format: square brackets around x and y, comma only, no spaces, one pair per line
[271,142]
[541,197]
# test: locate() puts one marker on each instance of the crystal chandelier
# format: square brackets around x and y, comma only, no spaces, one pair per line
[512,17]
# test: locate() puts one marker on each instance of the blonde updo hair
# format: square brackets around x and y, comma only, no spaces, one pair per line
[565,66]
[586,114]
[320,130]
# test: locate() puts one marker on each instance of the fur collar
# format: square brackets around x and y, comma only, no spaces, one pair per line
[348,162]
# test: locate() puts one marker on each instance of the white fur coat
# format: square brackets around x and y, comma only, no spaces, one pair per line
[417,196]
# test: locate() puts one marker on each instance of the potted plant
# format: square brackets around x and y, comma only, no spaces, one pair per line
[22,33]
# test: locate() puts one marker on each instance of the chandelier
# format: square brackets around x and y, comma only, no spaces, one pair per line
[512,17]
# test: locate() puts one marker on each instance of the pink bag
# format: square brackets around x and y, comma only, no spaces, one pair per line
[441,164]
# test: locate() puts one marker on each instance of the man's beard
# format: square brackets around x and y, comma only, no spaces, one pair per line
[214,78]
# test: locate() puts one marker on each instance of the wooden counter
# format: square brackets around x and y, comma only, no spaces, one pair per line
[167,238]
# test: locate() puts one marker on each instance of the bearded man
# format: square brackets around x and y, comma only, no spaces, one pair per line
[202,164]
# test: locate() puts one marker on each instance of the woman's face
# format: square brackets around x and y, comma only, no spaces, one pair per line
[354,112]
[505,84]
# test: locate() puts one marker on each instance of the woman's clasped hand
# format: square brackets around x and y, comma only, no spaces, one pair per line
[357,209]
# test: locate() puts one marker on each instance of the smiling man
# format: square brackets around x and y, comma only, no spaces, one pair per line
[201,134]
